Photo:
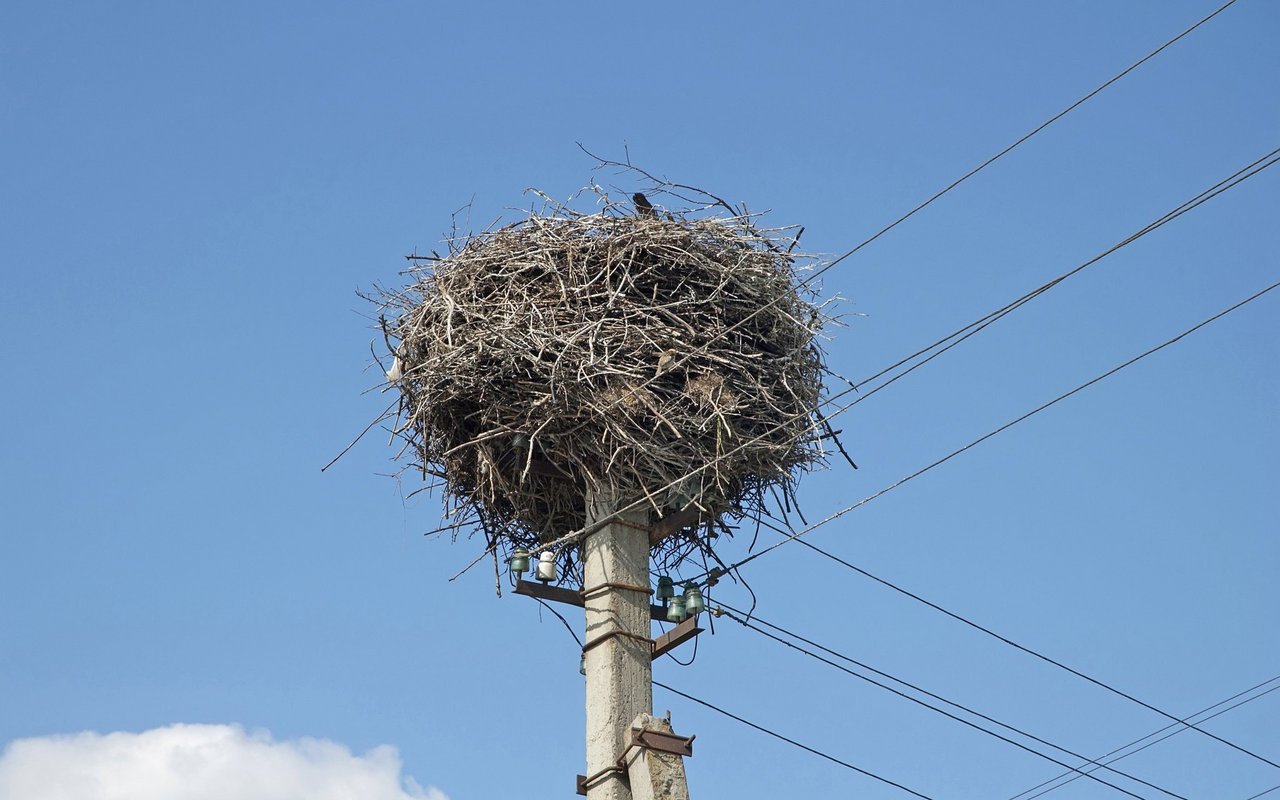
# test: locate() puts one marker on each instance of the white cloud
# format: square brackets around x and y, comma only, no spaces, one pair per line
[200,762]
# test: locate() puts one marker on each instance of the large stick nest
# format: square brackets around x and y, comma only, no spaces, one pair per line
[668,359]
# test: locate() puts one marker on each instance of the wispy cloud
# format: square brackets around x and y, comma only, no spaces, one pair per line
[200,762]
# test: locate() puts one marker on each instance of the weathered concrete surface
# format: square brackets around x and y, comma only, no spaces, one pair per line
[619,670]
[654,775]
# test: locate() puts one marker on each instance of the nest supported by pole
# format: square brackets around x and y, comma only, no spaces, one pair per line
[668,358]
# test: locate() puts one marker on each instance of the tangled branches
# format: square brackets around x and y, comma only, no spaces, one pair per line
[611,351]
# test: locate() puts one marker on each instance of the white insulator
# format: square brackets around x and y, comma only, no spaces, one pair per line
[546,566]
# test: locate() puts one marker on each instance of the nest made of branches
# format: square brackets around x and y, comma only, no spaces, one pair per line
[668,359]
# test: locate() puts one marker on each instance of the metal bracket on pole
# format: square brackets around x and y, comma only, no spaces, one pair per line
[662,741]
[604,637]
[668,641]
[657,741]
[676,636]
[654,759]
[557,594]
[584,782]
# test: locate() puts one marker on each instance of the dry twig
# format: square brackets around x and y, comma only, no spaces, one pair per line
[608,351]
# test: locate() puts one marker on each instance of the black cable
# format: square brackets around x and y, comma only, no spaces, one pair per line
[1260,794]
[796,536]
[1033,132]
[832,517]
[961,334]
[1238,177]
[739,323]
[935,606]
[956,337]
[793,742]
[989,632]
[727,611]
[692,657]
[1071,777]
[563,621]
[1029,651]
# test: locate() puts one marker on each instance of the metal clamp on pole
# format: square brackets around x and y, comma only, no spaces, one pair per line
[662,742]
[587,781]
[654,758]
[604,637]
[587,594]
[676,636]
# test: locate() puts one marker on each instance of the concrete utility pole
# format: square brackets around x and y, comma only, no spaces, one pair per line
[631,755]
[618,650]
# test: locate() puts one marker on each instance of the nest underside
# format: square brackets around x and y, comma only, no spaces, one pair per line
[670,362]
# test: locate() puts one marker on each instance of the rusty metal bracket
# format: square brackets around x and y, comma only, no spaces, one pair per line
[658,741]
[585,781]
[662,742]
[587,594]
[666,642]
[676,636]
[557,594]
[604,637]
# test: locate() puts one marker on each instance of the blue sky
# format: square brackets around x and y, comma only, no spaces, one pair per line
[194,193]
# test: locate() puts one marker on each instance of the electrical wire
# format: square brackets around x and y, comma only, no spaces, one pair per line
[1034,653]
[1239,176]
[838,514]
[1070,777]
[958,336]
[574,535]
[818,273]
[1041,656]
[1072,774]
[1001,154]
[792,742]
[830,518]
[728,611]
[1186,724]
[961,334]
[563,621]
[1027,136]
[974,328]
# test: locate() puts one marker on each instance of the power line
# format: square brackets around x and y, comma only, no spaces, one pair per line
[1041,656]
[1071,777]
[1236,178]
[1024,138]
[979,168]
[832,517]
[728,611]
[1010,642]
[904,217]
[792,742]
[959,335]
[1185,722]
